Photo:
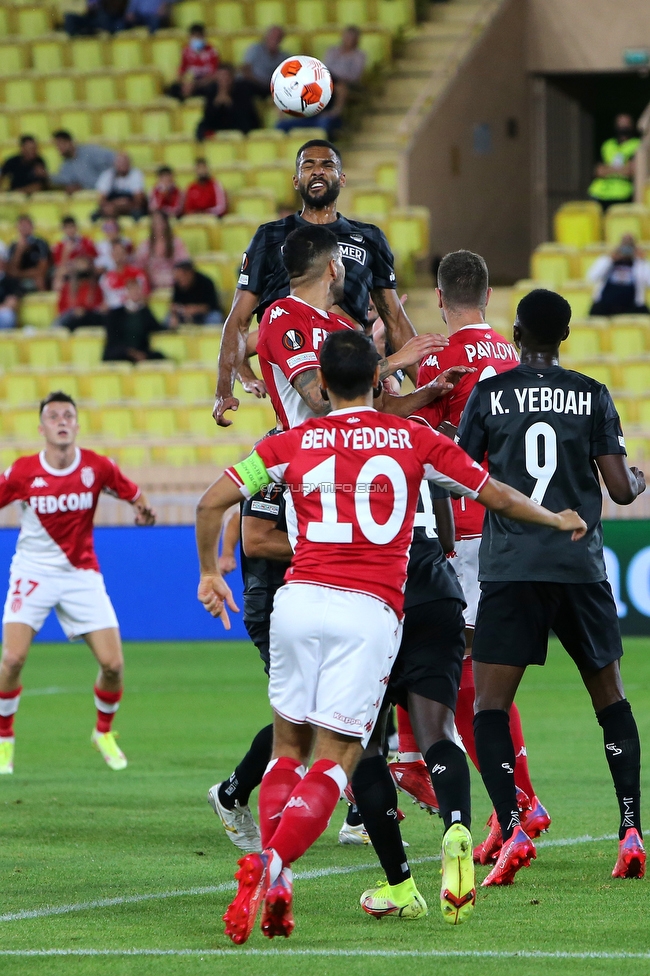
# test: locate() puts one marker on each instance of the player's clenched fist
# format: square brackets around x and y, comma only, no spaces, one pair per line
[214,593]
[144,514]
[570,521]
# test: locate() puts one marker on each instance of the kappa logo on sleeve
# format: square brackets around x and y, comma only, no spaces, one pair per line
[292,339]
[277,312]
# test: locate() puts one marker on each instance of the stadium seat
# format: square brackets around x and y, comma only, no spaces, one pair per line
[188,13]
[553,263]
[635,378]
[222,455]
[276,177]
[585,341]
[194,385]
[578,223]
[253,419]
[37,124]
[175,455]
[628,340]
[5,129]
[100,90]
[87,346]
[179,154]
[386,175]
[81,205]
[149,384]
[195,238]
[126,52]
[601,372]
[321,41]
[59,92]
[105,384]
[9,350]
[159,304]
[263,146]
[643,411]
[13,59]
[230,15]
[371,200]
[223,268]
[205,348]
[166,56]
[579,296]
[23,424]
[131,455]
[234,177]
[156,124]
[6,22]
[87,54]
[115,422]
[79,122]
[257,203]
[638,448]
[222,149]
[46,351]
[626,218]
[58,379]
[7,457]
[158,421]
[198,421]
[408,229]
[142,88]
[39,309]
[116,124]
[188,117]
[20,387]
[143,154]
[48,56]
[627,409]
[351,12]
[266,13]
[585,258]
[207,223]
[236,233]
[170,344]
[33,21]
[240,43]
[20,93]
[311,14]
[378,48]
[395,14]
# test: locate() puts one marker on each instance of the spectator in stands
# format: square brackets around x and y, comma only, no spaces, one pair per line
[74,245]
[621,281]
[347,61]
[79,16]
[9,294]
[81,301]
[110,15]
[153,14]
[194,300]
[261,60]
[614,181]
[198,67]
[104,260]
[128,328]
[205,195]
[158,255]
[82,164]
[113,283]
[26,171]
[229,104]
[121,189]
[28,260]
[166,196]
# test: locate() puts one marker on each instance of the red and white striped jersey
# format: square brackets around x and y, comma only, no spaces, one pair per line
[59,506]
[355,478]
[489,353]
[291,333]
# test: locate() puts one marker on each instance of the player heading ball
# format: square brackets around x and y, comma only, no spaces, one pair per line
[339,612]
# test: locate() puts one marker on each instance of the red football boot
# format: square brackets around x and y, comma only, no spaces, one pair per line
[631,856]
[488,851]
[277,915]
[253,878]
[516,853]
[535,819]
[413,779]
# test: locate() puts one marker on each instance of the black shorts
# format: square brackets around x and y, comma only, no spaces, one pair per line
[430,659]
[514,620]
[258,631]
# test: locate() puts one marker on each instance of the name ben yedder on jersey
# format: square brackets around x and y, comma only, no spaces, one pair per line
[359,439]
[544,399]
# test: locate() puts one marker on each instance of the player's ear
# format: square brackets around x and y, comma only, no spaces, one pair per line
[516,334]
[566,335]
[488,297]
[439,296]
[295,181]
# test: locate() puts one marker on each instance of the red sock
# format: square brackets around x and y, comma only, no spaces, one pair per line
[9,701]
[278,783]
[407,743]
[465,710]
[522,776]
[107,703]
[308,811]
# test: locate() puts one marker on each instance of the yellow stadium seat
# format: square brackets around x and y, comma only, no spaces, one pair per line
[220,150]
[638,448]
[223,455]
[87,54]
[200,423]
[9,350]
[206,345]
[598,371]
[132,455]
[311,14]
[195,385]
[579,296]
[585,258]
[7,457]
[116,124]
[171,344]
[628,341]
[159,304]
[126,52]
[21,387]
[207,223]
[33,21]
[39,309]
[6,22]
[230,15]
[87,346]
[48,56]
[196,239]
[372,200]
[643,411]
[635,377]
[266,13]
[552,263]
[81,205]
[20,93]
[13,59]
[408,231]
[58,379]
[188,117]
[175,455]
[166,55]
[188,13]
[156,124]
[147,386]
[277,178]
[35,124]
[351,12]
[585,340]
[377,46]
[626,218]
[578,223]
[105,385]
[234,178]
[386,175]
[115,422]
[46,208]
[142,88]
[223,269]
[100,90]
[157,421]
[5,128]
[253,420]
[264,146]
[628,411]
[78,122]
[321,41]
[24,425]
[45,351]
[257,203]
[180,154]
[59,92]
[395,14]
[236,233]
[143,154]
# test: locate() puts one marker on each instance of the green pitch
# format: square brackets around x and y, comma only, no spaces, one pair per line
[74,834]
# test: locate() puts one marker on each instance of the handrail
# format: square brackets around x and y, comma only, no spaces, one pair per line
[641,158]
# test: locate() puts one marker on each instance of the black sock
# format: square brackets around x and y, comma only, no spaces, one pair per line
[248,774]
[353,818]
[623,753]
[449,771]
[496,759]
[376,798]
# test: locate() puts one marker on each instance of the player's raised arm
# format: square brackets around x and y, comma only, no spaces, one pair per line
[399,328]
[404,406]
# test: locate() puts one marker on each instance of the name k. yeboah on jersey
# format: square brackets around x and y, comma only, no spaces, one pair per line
[542,429]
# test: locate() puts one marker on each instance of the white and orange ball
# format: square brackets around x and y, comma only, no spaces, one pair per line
[301,86]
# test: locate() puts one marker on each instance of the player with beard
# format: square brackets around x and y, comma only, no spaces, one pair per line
[263,279]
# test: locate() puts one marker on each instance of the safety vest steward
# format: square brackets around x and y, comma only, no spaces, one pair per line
[615,153]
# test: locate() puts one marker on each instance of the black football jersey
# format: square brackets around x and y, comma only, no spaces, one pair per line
[430,575]
[541,430]
[367,257]
[262,577]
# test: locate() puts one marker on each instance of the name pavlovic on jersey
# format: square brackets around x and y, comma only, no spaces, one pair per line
[59,506]
[355,479]
[488,353]
[291,333]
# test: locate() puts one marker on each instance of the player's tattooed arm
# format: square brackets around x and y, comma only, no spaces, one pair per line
[411,354]
[307,385]
[404,406]
[399,328]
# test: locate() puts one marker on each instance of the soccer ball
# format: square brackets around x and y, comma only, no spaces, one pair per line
[301,86]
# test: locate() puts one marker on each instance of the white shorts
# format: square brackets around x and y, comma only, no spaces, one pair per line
[77,596]
[465,563]
[331,656]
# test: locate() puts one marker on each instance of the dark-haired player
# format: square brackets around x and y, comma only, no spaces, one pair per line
[263,278]
[550,431]
[55,566]
[335,625]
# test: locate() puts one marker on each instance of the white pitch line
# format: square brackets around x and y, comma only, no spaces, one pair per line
[381,953]
[83,906]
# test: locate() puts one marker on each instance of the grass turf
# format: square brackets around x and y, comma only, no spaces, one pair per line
[75,832]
